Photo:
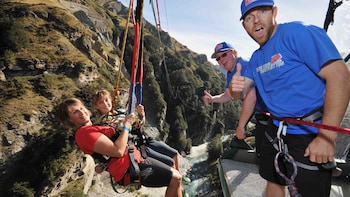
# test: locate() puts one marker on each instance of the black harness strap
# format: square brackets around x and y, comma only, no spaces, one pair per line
[140,140]
[134,168]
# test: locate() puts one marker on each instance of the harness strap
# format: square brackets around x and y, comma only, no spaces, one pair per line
[301,121]
[262,119]
[100,158]
[134,168]
[140,140]
[328,165]
[115,189]
[143,151]
[313,116]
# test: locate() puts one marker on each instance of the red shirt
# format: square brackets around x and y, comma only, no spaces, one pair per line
[86,137]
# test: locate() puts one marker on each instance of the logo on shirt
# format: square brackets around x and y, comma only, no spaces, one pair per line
[275,58]
[275,62]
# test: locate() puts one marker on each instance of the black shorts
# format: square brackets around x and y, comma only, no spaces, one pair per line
[262,124]
[308,182]
[155,173]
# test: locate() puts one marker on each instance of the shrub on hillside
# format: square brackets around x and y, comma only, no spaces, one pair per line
[13,34]
[214,148]
[22,189]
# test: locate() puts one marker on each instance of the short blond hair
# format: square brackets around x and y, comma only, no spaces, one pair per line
[98,95]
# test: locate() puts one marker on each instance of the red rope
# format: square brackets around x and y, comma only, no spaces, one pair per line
[312,124]
[158,25]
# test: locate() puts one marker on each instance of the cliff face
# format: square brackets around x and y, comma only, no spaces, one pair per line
[51,50]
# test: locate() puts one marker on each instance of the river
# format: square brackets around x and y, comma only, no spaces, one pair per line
[199,185]
[192,166]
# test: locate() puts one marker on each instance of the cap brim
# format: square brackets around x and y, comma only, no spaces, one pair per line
[221,50]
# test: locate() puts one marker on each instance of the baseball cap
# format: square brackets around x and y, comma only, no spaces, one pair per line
[222,46]
[250,4]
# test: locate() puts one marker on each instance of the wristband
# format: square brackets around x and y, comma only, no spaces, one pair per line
[127,128]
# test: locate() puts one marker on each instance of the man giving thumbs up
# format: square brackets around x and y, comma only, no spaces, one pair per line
[227,58]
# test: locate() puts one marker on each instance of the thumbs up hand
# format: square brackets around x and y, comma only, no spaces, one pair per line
[207,98]
[237,83]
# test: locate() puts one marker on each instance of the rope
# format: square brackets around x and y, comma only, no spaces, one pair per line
[170,87]
[283,151]
[312,124]
[116,92]
[135,61]
[139,84]
[293,190]
[158,25]
[156,22]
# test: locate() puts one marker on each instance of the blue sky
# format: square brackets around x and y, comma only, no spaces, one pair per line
[201,24]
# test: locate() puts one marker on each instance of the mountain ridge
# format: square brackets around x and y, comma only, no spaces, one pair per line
[49,53]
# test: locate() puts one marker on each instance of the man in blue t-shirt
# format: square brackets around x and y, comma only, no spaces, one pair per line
[296,70]
[227,58]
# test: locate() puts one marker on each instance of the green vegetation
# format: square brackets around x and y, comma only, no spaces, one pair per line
[74,189]
[47,55]
[22,189]
[215,148]
[13,33]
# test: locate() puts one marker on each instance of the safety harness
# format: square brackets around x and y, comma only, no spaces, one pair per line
[282,152]
[133,175]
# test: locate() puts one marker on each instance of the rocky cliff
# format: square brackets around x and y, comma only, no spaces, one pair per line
[54,49]
[51,50]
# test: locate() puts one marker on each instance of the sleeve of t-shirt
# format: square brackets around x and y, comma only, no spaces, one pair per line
[248,70]
[312,45]
[86,138]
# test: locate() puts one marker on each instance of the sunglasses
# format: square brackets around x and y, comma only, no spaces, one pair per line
[221,56]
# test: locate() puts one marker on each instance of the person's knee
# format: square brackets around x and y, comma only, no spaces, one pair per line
[176,175]
[274,189]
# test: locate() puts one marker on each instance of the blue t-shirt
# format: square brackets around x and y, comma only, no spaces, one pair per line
[259,105]
[230,74]
[285,71]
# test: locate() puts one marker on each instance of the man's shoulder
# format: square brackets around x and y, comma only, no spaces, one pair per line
[242,61]
[296,26]
[291,24]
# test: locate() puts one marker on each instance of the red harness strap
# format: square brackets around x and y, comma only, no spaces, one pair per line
[312,124]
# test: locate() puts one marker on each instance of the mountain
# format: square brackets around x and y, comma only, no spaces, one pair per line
[51,50]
